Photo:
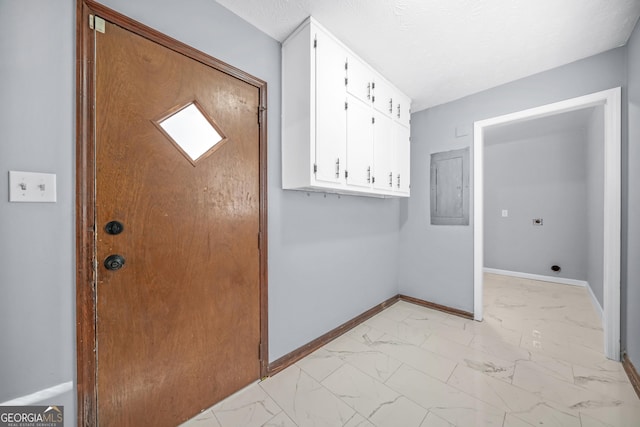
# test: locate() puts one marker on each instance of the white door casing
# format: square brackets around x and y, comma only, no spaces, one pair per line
[611,100]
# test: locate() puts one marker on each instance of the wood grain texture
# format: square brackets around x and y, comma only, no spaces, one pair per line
[246,221]
[178,325]
[85,203]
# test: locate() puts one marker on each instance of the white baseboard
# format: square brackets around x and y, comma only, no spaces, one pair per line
[41,395]
[561,280]
[595,303]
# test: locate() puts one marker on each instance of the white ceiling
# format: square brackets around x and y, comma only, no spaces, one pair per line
[437,51]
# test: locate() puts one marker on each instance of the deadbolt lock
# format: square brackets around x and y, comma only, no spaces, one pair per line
[114,227]
[114,262]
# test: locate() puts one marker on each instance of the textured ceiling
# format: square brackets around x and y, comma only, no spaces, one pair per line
[437,51]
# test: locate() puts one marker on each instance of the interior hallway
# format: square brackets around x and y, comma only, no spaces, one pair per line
[536,359]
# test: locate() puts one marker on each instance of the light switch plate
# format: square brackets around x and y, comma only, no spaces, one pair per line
[32,187]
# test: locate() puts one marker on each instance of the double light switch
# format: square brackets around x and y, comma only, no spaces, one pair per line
[32,187]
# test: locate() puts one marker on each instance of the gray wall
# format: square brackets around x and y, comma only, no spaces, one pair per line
[537,177]
[632,292]
[330,258]
[37,271]
[436,262]
[595,203]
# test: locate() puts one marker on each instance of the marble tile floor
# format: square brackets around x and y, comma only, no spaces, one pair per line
[536,360]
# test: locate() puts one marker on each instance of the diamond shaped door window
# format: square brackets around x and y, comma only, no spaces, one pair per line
[189,128]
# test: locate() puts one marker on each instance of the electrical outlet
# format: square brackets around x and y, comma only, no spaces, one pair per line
[32,187]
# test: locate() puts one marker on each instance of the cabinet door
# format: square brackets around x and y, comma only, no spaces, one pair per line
[402,152]
[383,152]
[330,117]
[359,79]
[383,97]
[402,109]
[359,143]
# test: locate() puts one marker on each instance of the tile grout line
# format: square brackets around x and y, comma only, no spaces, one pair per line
[551,363]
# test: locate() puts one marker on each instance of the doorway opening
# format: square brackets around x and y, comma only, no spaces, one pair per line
[183,322]
[610,101]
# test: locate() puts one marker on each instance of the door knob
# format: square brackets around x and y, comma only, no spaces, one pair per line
[114,227]
[114,262]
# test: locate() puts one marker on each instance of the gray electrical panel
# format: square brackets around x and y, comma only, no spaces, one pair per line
[450,187]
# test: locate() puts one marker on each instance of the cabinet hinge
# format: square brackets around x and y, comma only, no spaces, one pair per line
[315,168]
[346,65]
[346,81]
[259,240]
[373,120]
[346,174]
[373,179]
[315,43]
[346,105]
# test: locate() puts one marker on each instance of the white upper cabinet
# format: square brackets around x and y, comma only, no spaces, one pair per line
[383,152]
[359,143]
[345,129]
[402,148]
[402,109]
[359,79]
[383,94]
[331,124]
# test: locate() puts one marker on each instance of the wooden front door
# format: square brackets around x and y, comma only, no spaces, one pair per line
[177,232]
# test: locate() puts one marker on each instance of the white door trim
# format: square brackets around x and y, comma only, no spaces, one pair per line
[611,100]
